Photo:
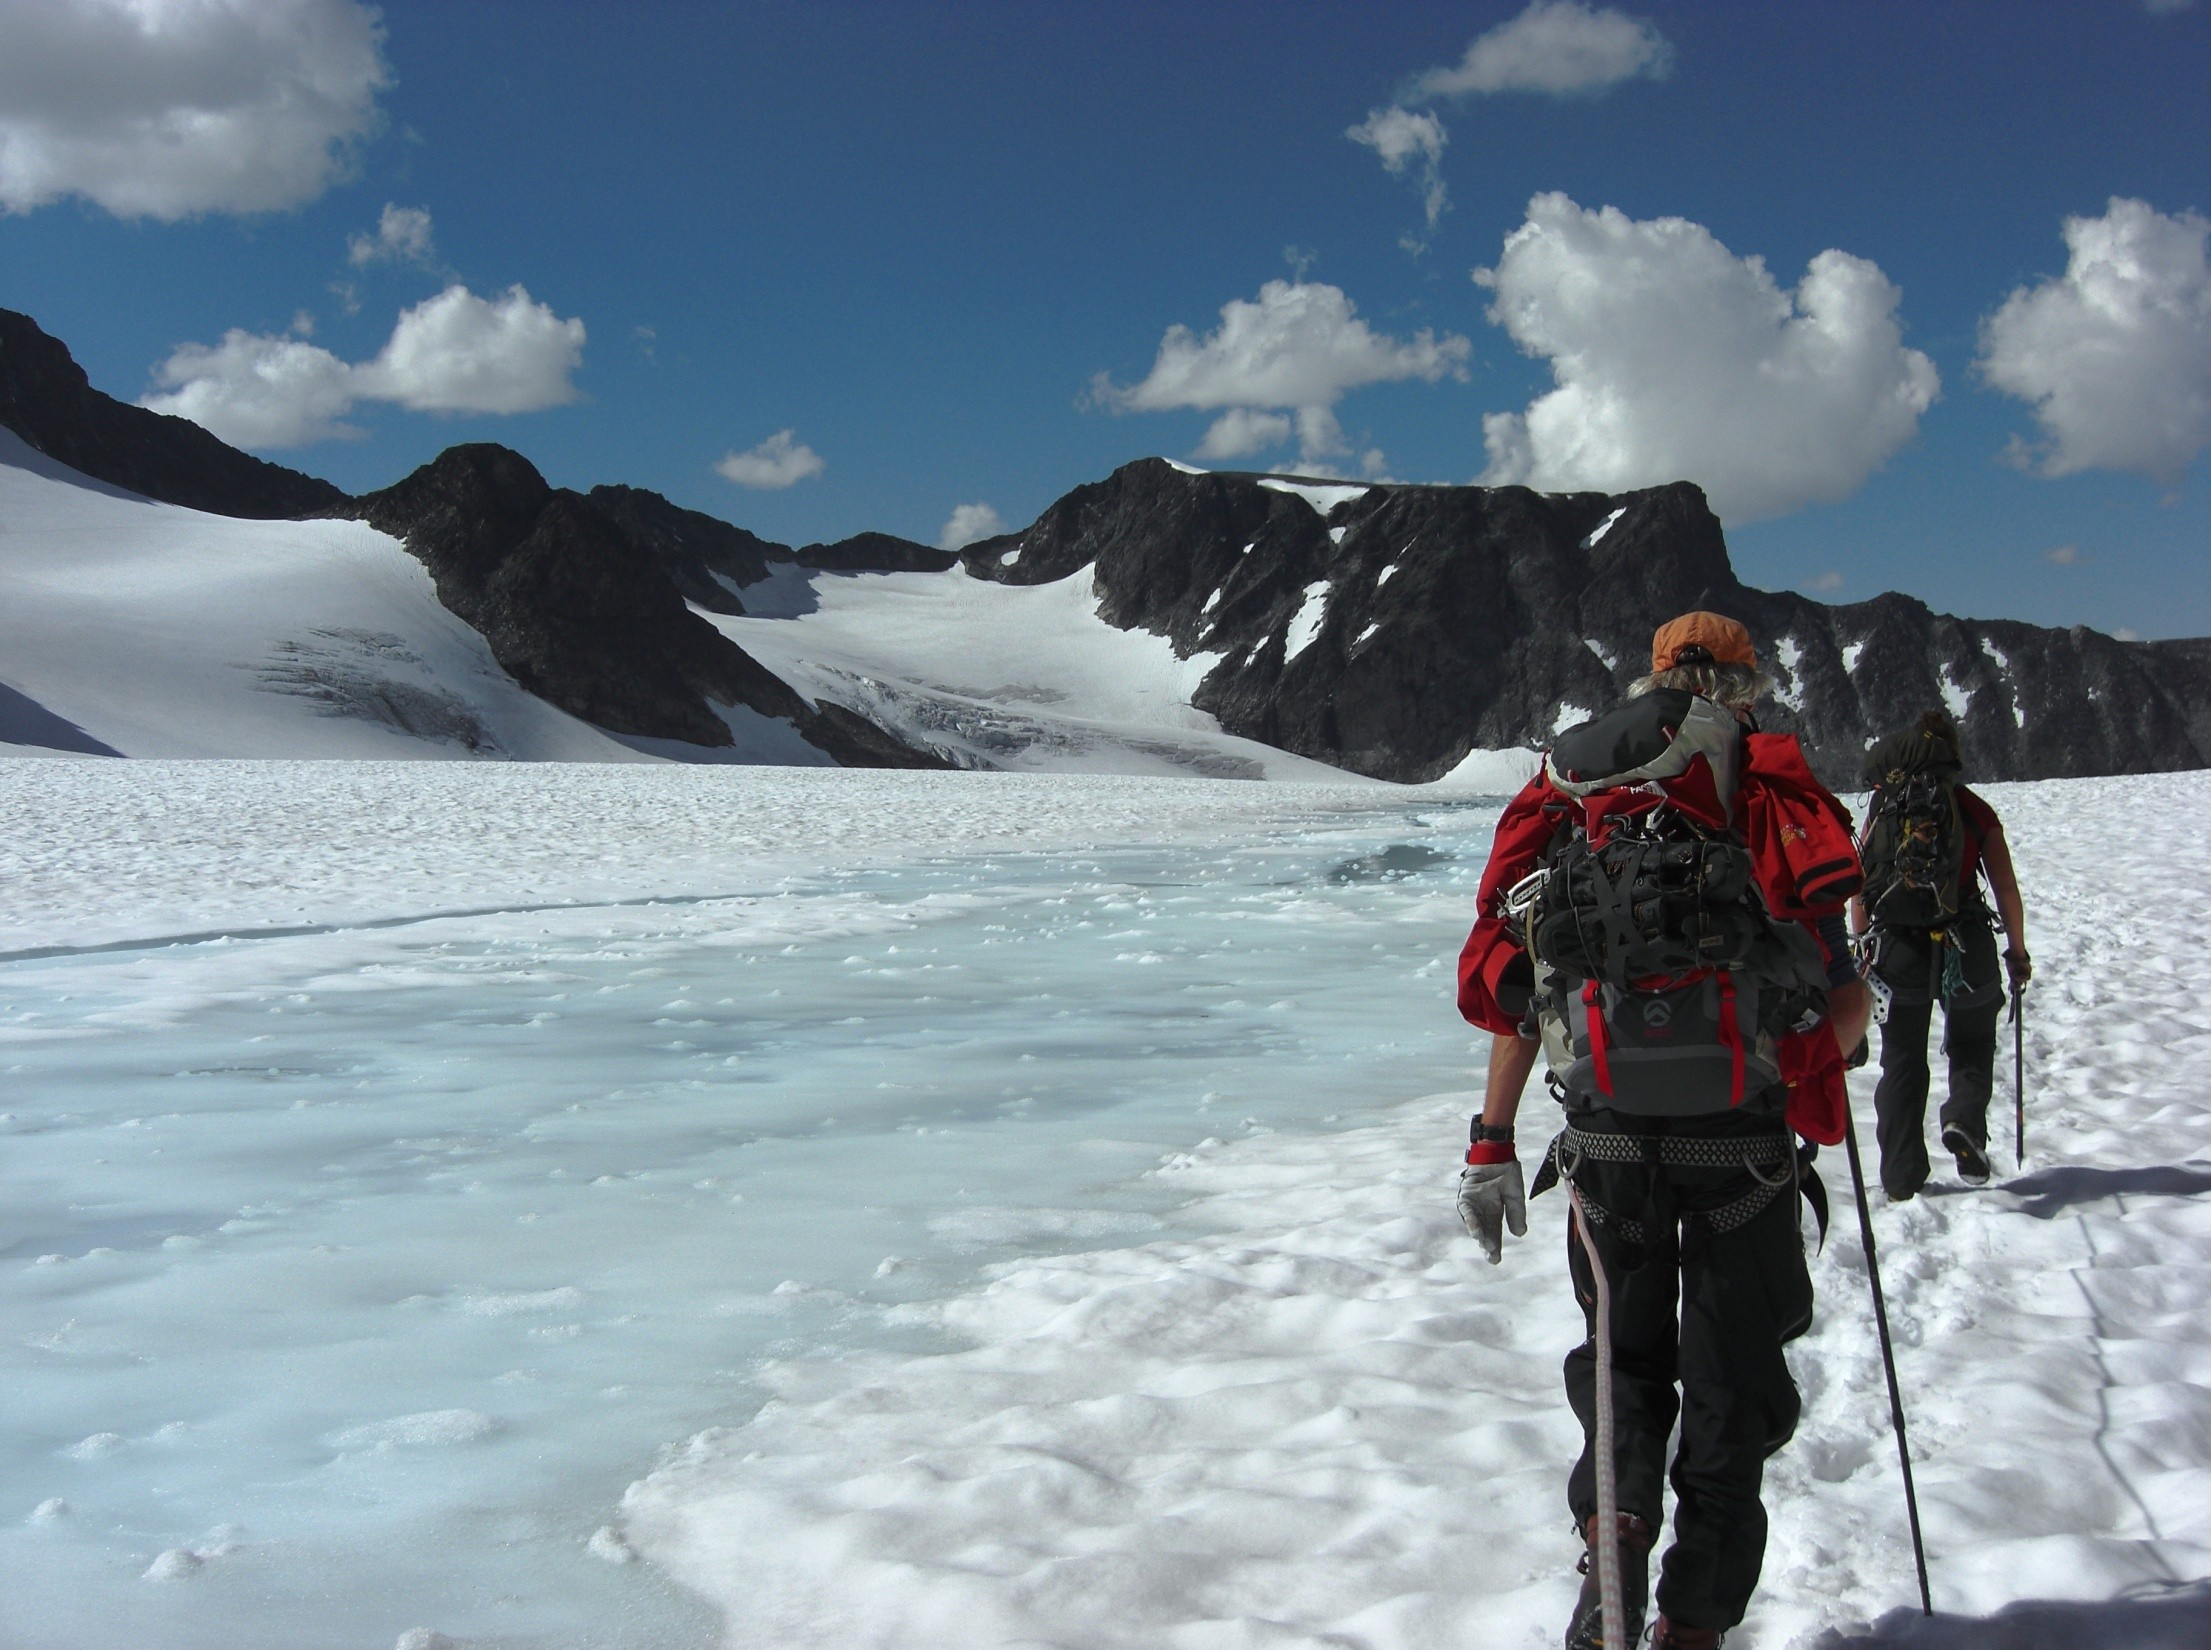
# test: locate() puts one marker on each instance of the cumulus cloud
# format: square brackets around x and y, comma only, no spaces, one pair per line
[458,353]
[2114,356]
[970,522]
[454,353]
[1242,431]
[1675,359]
[170,108]
[776,463]
[258,390]
[2064,555]
[1297,350]
[402,236]
[1402,137]
[1560,47]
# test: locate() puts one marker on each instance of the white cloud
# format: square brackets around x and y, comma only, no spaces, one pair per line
[1675,359]
[776,463]
[452,353]
[970,522]
[2115,354]
[1401,136]
[2064,555]
[402,236]
[169,108]
[1556,46]
[1242,431]
[458,353]
[1827,583]
[255,390]
[1298,349]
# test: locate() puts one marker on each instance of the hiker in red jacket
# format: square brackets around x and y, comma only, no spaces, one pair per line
[1662,915]
[1929,937]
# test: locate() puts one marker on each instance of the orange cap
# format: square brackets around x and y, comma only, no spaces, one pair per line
[1726,641]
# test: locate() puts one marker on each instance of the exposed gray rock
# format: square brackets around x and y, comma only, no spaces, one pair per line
[1392,629]
[583,615]
[702,555]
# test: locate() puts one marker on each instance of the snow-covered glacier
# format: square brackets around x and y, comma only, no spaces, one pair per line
[560,1205]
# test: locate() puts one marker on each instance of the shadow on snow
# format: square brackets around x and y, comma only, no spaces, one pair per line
[2176,1617]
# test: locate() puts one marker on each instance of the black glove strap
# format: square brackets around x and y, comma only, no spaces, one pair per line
[1481,1131]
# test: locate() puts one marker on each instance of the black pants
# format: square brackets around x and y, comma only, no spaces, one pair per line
[1970,1014]
[1706,1313]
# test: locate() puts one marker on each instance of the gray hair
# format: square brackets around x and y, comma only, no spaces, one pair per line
[1737,687]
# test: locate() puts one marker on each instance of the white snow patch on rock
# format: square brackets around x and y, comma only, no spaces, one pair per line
[1850,656]
[1569,715]
[1602,528]
[1604,654]
[1955,699]
[1305,623]
[2011,680]
[1790,688]
[1383,577]
[1323,498]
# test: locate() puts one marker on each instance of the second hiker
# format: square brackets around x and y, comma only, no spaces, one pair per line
[1927,935]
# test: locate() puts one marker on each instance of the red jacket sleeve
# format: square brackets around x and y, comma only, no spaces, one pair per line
[1798,833]
[1981,823]
[1523,832]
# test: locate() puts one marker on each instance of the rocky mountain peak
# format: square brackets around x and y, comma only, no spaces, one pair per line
[46,399]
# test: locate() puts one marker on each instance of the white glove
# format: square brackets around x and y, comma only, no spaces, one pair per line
[1492,1197]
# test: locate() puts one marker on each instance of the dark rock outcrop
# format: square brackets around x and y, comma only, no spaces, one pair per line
[702,555]
[1392,629]
[584,615]
[874,553]
[46,399]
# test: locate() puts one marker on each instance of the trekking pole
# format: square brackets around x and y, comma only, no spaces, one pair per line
[1888,1357]
[2018,1077]
[1611,1591]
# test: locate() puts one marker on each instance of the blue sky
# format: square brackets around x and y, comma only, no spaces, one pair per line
[943,246]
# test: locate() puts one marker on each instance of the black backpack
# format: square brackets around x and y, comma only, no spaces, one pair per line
[1914,842]
[1662,984]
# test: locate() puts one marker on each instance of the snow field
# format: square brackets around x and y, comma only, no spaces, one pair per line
[151,630]
[98,852]
[1026,677]
[351,1273]
[1312,1416]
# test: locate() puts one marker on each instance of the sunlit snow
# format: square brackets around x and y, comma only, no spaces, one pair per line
[1603,527]
[1065,1165]
[1305,623]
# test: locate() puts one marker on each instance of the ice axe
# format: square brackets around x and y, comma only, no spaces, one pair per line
[2018,1076]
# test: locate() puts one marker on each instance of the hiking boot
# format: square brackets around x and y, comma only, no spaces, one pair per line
[1669,1635]
[1588,1629]
[1972,1161]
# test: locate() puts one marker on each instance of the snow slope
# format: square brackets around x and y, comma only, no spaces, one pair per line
[1026,677]
[1312,1417]
[141,629]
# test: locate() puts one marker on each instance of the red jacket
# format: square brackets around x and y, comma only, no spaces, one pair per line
[1801,844]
